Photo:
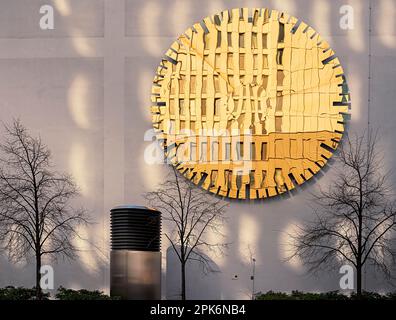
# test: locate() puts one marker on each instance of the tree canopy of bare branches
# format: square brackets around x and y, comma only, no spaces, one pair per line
[36,217]
[355,215]
[193,214]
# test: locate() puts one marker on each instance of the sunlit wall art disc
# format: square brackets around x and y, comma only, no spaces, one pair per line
[249,103]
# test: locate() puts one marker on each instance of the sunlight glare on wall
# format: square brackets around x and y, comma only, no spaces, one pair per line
[181,14]
[212,237]
[356,37]
[286,247]
[63,7]
[359,99]
[248,236]
[386,28]
[149,25]
[321,17]
[86,252]
[82,45]
[78,167]
[143,86]
[151,175]
[78,101]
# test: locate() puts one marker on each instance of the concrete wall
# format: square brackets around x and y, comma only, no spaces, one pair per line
[85,88]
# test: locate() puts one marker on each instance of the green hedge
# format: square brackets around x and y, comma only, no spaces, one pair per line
[332,295]
[12,293]
[70,294]
[20,293]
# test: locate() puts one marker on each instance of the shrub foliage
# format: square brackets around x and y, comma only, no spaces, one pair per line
[331,295]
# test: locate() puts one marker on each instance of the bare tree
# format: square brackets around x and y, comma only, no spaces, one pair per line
[193,213]
[355,216]
[35,215]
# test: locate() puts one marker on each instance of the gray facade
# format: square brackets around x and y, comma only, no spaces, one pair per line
[85,88]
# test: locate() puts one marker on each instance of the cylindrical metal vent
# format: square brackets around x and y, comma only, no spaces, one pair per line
[135,228]
[135,259]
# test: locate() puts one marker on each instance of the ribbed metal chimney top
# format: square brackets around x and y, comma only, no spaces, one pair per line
[135,228]
[131,206]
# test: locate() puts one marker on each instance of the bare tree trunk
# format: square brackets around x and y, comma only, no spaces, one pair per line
[359,253]
[359,280]
[39,295]
[183,281]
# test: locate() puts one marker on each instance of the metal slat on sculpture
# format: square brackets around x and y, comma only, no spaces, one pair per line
[249,103]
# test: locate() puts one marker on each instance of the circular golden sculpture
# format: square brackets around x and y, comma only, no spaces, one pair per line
[249,103]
